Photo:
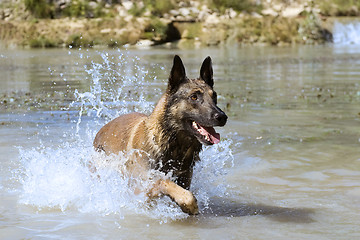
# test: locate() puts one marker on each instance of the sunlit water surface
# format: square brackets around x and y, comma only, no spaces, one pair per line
[288,165]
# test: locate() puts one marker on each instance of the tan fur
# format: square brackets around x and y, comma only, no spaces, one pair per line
[138,131]
[166,140]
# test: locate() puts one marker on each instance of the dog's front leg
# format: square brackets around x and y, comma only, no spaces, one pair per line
[184,198]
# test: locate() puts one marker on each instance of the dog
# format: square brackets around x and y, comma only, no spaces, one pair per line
[170,138]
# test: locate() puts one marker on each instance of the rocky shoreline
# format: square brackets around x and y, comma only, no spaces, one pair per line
[192,25]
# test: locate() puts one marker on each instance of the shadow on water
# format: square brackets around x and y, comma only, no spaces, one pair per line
[229,208]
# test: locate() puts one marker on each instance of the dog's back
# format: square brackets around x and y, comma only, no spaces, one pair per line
[121,134]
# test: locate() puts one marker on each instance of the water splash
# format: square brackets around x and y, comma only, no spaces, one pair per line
[117,87]
[59,177]
[210,173]
[346,33]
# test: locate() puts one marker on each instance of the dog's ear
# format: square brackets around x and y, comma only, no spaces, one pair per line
[206,72]
[177,74]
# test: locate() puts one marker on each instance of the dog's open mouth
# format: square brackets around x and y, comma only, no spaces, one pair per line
[209,135]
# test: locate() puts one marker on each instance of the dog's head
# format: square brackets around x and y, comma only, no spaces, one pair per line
[192,103]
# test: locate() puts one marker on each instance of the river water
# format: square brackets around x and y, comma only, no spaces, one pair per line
[287,167]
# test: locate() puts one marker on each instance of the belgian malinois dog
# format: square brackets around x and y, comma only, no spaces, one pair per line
[171,137]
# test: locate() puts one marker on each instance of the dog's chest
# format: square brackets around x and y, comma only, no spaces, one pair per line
[180,155]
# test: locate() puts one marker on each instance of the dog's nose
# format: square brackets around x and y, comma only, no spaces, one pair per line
[221,118]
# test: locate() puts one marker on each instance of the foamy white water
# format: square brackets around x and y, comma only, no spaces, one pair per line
[346,33]
[60,179]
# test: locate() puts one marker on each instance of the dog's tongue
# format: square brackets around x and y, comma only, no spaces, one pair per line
[213,135]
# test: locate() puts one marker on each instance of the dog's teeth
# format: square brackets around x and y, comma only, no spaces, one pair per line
[195,126]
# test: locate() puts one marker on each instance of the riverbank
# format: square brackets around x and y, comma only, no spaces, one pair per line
[116,32]
[191,25]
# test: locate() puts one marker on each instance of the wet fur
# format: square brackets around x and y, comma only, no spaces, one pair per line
[165,139]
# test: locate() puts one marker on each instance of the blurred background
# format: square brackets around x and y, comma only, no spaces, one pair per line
[189,23]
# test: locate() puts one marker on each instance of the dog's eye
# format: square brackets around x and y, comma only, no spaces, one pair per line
[194,97]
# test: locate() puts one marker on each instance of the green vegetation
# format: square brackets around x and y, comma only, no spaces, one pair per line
[340,7]
[85,23]
[280,30]
[271,30]
[91,9]
[192,30]
[94,9]
[237,5]
[77,40]
[159,7]
[137,10]
[40,8]
[42,42]
[310,30]
[75,8]
[156,30]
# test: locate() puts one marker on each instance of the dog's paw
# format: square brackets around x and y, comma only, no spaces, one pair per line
[188,203]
